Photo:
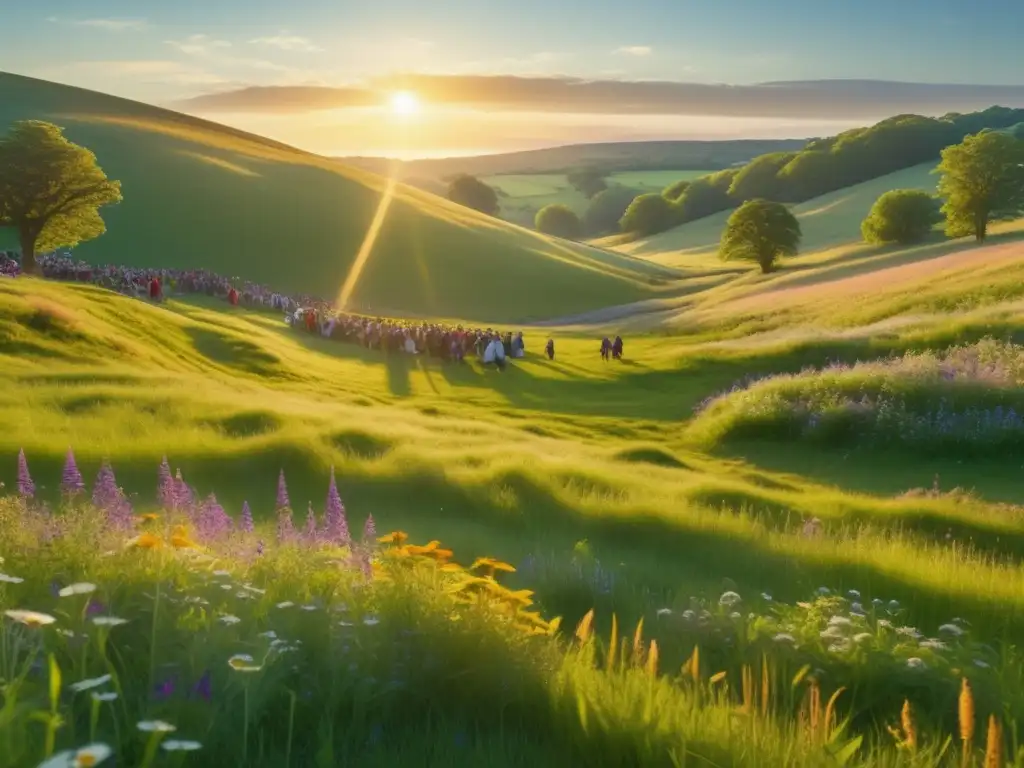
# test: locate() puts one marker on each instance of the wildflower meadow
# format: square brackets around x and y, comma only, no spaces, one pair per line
[176,633]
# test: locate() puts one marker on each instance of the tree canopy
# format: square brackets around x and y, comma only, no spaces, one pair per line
[761,231]
[471,192]
[982,179]
[901,216]
[559,220]
[589,182]
[832,163]
[606,210]
[674,191]
[647,215]
[51,190]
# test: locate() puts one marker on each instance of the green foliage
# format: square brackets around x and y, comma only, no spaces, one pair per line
[673,192]
[473,193]
[760,178]
[982,179]
[50,189]
[606,210]
[901,216]
[647,215]
[706,195]
[760,231]
[560,221]
[589,182]
[836,162]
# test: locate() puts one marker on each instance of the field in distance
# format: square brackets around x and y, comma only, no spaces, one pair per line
[827,222]
[522,195]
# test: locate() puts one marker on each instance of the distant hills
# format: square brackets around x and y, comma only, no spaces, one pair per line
[610,157]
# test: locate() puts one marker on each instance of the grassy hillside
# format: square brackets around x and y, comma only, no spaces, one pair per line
[522,195]
[589,476]
[201,195]
[612,156]
[827,221]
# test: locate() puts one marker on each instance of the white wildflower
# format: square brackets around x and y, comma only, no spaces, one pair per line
[80,588]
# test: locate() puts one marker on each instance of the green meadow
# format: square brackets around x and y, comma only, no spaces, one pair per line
[784,530]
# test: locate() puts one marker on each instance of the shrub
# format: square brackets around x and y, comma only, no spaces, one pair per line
[901,216]
[559,220]
[648,215]
[606,210]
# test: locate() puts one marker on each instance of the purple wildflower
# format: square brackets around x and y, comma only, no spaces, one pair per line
[166,486]
[94,608]
[108,497]
[369,532]
[26,487]
[334,514]
[71,483]
[259,548]
[183,496]
[282,493]
[203,688]
[247,524]
[311,532]
[165,690]
[212,522]
[285,527]
[363,561]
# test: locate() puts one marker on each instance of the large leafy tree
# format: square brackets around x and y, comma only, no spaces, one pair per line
[982,180]
[901,216]
[761,231]
[51,190]
[471,192]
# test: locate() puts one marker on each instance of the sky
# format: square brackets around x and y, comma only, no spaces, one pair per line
[476,76]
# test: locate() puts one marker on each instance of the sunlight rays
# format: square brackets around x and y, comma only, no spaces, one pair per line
[366,249]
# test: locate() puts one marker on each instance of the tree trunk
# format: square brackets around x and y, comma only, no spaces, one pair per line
[980,227]
[28,252]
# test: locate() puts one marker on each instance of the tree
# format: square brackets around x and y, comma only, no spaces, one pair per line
[50,190]
[589,182]
[471,192]
[673,192]
[648,215]
[560,221]
[760,178]
[982,179]
[761,231]
[901,216]
[707,195]
[606,209]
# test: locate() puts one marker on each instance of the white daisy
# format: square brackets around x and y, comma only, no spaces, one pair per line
[155,726]
[79,588]
[4,578]
[30,618]
[177,745]
[89,684]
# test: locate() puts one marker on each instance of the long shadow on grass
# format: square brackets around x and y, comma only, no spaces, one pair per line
[665,555]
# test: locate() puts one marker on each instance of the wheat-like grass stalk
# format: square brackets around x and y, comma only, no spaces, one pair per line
[909,726]
[994,744]
[965,716]
[613,644]
[586,627]
[652,660]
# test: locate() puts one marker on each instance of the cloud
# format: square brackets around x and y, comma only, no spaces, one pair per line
[110,25]
[198,45]
[816,99]
[287,42]
[634,50]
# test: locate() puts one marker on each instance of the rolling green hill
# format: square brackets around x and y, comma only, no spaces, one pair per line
[199,194]
[827,221]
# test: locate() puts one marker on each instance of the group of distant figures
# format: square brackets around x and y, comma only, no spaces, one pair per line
[302,312]
[444,342]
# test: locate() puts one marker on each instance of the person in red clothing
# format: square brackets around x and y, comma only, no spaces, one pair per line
[154,289]
[233,297]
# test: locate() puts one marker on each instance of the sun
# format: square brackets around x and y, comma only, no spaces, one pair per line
[405,103]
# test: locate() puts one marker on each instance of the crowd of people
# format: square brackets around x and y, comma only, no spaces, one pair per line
[304,313]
